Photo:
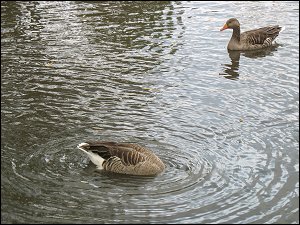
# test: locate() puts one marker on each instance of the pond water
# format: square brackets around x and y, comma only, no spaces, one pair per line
[226,124]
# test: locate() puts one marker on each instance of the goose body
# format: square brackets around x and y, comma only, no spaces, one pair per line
[125,158]
[250,40]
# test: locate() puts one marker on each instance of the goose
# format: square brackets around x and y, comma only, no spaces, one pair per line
[124,158]
[250,40]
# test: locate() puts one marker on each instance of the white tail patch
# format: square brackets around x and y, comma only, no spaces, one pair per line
[95,158]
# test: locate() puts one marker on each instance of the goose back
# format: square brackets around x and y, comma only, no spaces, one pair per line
[260,38]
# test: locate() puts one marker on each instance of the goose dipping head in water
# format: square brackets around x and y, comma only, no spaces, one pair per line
[125,158]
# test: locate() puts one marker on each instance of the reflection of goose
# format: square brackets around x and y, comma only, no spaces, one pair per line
[231,71]
[123,158]
[250,40]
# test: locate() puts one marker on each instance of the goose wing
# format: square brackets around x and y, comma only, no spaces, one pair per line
[261,35]
[113,151]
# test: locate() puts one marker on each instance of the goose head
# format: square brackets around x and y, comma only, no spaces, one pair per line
[231,24]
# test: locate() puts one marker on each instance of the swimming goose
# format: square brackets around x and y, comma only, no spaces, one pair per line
[125,158]
[250,40]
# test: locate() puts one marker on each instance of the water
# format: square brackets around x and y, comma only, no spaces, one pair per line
[226,124]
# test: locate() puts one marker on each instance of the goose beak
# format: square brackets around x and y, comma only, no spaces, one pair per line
[224,27]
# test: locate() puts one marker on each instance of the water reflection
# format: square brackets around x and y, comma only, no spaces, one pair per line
[231,70]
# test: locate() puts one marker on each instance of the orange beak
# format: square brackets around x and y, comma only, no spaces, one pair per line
[224,27]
